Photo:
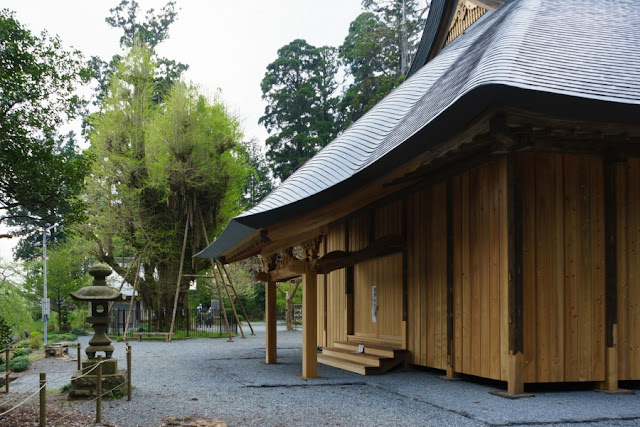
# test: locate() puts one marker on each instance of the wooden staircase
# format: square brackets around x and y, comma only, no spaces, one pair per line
[375,360]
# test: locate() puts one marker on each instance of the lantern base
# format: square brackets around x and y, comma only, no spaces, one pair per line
[83,385]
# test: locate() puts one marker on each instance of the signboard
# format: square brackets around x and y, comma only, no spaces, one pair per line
[374,304]
[215,307]
[45,305]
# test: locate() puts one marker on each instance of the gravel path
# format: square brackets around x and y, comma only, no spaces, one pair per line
[219,379]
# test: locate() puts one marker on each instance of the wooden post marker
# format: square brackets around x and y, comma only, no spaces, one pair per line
[128,372]
[271,319]
[6,366]
[99,391]
[79,358]
[43,399]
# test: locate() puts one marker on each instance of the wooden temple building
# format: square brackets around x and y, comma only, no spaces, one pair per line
[482,219]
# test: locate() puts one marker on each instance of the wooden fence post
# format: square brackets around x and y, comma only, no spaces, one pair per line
[79,358]
[6,374]
[43,399]
[128,372]
[99,391]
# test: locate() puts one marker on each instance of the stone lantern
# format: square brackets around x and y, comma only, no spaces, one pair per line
[99,295]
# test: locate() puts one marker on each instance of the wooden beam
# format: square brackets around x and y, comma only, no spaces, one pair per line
[271,323]
[294,240]
[310,325]
[338,259]
[515,280]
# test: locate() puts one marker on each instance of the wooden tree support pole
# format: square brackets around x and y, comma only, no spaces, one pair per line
[43,399]
[175,302]
[244,313]
[309,325]
[233,307]
[213,267]
[133,296]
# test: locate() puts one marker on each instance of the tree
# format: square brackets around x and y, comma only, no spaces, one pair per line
[41,174]
[157,165]
[377,52]
[67,266]
[259,184]
[299,87]
[13,307]
[152,31]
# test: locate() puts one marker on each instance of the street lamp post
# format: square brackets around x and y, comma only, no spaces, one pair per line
[45,304]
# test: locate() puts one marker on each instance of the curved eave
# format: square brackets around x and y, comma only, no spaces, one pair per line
[439,130]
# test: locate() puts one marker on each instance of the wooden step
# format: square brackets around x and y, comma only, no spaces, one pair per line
[342,364]
[362,358]
[384,342]
[372,349]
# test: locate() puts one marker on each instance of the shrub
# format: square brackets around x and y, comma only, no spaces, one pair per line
[35,342]
[19,364]
[18,352]
[65,388]
[3,367]
[80,332]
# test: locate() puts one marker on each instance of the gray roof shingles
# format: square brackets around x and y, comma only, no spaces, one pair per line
[534,54]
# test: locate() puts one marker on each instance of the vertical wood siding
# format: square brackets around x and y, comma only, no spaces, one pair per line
[336,292]
[480,271]
[427,277]
[628,237]
[563,262]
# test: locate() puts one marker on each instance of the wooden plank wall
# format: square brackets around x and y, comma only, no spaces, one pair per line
[481,271]
[628,237]
[563,267]
[427,277]
[336,292]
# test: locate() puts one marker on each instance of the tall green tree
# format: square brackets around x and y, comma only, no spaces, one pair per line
[41,173]
[377,52]
[153,29]
[259,183]
[301,112]
[156,165]
[13,304]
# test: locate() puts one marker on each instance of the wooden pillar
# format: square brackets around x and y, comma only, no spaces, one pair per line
[450,260]
[348,285]
[271,322]
[309,325]
[515,280]
[611,277]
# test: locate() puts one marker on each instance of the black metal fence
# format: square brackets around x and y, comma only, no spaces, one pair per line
[189,323]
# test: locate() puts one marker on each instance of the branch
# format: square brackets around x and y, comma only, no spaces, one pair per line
[281,291]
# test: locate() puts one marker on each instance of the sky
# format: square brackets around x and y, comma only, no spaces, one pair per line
[227,44]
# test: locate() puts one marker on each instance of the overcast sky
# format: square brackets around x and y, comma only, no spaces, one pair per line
[227,44]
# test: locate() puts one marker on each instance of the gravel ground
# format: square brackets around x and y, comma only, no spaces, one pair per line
[219,379]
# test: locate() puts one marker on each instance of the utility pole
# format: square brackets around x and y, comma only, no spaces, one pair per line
[45,301]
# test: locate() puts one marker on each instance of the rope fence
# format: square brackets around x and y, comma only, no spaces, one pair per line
[97,399]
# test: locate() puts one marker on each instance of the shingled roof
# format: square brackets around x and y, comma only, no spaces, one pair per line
[577,59]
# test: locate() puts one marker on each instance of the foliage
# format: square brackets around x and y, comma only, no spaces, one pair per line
[35,342]
[13,304]
[19,364]
[299,88]
[41,174]
[67,265]
[6,333]
[152,31]
[258,184]
[156,165]
[54,338]
[377,52]
[19,352]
